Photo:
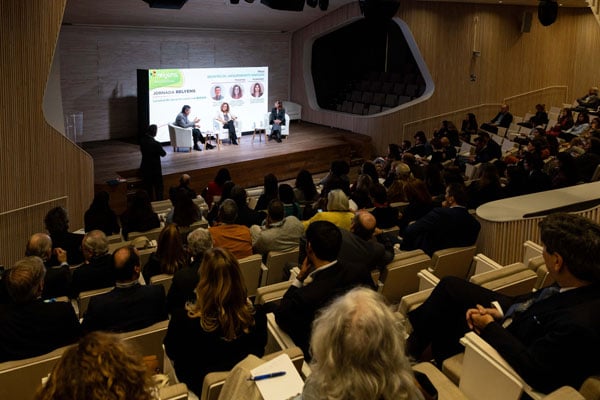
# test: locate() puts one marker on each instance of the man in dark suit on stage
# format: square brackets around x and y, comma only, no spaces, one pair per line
[29,326]
[321,279]
[444,227]
[550,337]
[129,306]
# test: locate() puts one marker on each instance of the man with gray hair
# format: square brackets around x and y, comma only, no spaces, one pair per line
[97,270]
[186,279]
[29,326]
[278,233]
[58,277]
[229,235]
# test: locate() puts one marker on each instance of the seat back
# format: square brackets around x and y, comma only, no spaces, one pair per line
[148,341]
[162,279]
[271,293]
[250,268]
[84,299]
[276,262]
[20,379]
[400,277]
[455,261]
[152,234]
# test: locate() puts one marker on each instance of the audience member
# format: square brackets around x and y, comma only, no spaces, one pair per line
[337,178]
[213,212]
[394,155]
[150,168]
[245,215]
[97,270]
[215,187]
[139,215]
[469,128]
[220,329]
[564,122]
[29,326]
[100,366]
[229,235]
[550,337]
[57,225]
[486,149]
[279,232]
[269,193]
[503,119]
[101,216]
[361,193]
[385,215]
[129,306]
[358,351]
[360,252]
[184,184]
[422,148]
[419,203]
[565,173]
[185,280]
[328,278]
[444,227]
[57,278]
[434,180]
[304,188]
[169,256]
[402,175]
[487,188]
[185,212]
[539,118]
[587,162]
[416,169]
[290,205]
[590,100]
[582,124]
[537,180]
[338,211]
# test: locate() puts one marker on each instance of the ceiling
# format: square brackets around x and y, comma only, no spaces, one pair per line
[220,14]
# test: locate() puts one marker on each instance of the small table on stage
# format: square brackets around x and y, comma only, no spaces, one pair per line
[211,135]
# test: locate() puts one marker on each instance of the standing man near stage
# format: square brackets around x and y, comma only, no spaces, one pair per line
[277,118]
[150,168]
[183,121]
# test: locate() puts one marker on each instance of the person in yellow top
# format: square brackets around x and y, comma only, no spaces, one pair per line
[338,211]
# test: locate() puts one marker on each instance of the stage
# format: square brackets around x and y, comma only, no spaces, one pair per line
[309,146]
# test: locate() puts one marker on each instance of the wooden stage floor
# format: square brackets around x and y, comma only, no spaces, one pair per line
[309,146]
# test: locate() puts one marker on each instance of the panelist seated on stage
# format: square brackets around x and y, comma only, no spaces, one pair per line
[183,121]
[227,121]
[277,119]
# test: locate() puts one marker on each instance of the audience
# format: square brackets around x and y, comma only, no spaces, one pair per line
[270,192]
[184,184]
[101,216]
[57,281]
[385,215]
[587,162]
[503,119]
[220,328]
[57,225]
[139,215]
[338,211]
[29,326]
[169,256]
[328,278]
[419,203]
[245,215]
[100,366]
[337,178]
[590,100]
[97,270]
[487,188]
[444,227]
[227,234]
[279,232]
[129,306]
[185,212]
[550,337]
[185,280]
[215,187]
[305,190]
[290,205]
[358,352]
[402,175]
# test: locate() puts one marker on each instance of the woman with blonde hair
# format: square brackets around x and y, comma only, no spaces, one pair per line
[170,256]
[338,211]
[221,328]
[100,366]
[357,346]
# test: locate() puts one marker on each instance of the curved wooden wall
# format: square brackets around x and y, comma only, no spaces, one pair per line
[39,167]
[511,62]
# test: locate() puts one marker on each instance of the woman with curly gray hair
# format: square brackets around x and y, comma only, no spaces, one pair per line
[357,346]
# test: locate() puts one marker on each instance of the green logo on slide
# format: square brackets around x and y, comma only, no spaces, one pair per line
[165,78]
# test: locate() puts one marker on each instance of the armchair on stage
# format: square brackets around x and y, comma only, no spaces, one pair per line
[223,133]
[180,138]
[285,129]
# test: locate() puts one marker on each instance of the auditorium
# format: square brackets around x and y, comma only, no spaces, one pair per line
[359,75]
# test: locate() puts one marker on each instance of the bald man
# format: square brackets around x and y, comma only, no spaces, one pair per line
[360,251]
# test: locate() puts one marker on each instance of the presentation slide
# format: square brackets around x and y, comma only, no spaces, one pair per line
[204,90]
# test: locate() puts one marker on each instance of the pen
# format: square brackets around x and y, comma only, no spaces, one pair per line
[266,376]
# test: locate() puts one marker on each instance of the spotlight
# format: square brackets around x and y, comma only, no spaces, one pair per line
[249,1]
[323,5]
[234,1]
[547,12]
[312,3]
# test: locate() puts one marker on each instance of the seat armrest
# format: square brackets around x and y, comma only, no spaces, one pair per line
[412,301]
[427,279]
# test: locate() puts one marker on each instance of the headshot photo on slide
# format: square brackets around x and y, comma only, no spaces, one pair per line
[256,90]
[216,93]
[236,92]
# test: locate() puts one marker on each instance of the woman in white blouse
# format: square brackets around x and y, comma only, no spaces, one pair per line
[227,121]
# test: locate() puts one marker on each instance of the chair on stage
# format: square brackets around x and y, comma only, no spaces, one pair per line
[223,133]
[181,138]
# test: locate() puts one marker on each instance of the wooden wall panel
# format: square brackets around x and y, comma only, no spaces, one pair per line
[39,167]
[99,67]
[511,63]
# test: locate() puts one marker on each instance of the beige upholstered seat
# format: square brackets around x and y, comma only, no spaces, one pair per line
[181,138]
[276,262]
[251,270]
